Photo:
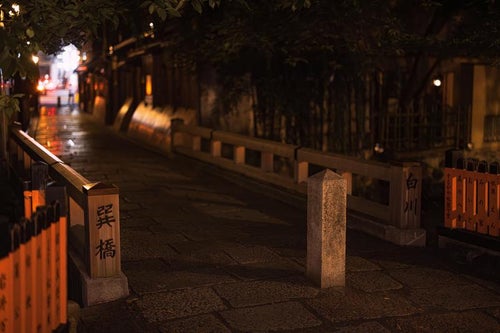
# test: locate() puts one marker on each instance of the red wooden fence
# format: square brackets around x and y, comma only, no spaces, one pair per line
[472,199]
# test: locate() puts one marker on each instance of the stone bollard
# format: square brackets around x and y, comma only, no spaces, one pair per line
[326,229]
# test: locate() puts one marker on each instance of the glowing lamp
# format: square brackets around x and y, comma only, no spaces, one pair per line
[149,85]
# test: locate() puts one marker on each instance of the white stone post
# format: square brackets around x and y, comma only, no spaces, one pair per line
[326,229]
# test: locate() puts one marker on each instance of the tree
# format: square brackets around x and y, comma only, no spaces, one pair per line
[313,63]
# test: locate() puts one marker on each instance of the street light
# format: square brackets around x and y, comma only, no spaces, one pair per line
[437,81]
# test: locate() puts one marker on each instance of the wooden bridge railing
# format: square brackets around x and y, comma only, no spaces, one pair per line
[395,218]
[93,221]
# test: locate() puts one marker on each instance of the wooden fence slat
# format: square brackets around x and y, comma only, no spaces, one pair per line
[493,219]
[470,202]
[482,198]
[6,279]
[450,205]
[460,195]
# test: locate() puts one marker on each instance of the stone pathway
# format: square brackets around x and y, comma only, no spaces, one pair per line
[206,255]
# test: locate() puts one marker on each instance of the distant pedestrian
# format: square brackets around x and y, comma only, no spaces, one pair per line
[71,96]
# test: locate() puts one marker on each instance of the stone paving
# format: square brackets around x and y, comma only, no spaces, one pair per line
[203,254]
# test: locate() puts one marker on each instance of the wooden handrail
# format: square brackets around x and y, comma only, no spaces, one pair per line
[402,212]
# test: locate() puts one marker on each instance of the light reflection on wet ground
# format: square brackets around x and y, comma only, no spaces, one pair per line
[54,129]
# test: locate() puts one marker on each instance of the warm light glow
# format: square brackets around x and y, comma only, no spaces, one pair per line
[149,85]
[15,10]
[84,56]
[378,148]
[35,59]
[40,86]
[436,82]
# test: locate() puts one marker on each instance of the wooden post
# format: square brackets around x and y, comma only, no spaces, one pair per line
[28,205]
[26,164]
[267,161]
[239,154]
[39,176]
[471,195]
[44,279]
[301,171]
[326,229]
[348,178]
[18,258]
[196,143]
[102,230]
[405,195]
[56,195]
[450,197]
[494,200]
[35,225]
[482,197]
[215,148]
[6,278]
[27,276]
[177,138]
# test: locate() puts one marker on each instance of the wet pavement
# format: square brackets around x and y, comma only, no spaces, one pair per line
[205,254]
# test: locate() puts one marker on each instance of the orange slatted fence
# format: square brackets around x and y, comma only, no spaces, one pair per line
[33,260]
[472,199]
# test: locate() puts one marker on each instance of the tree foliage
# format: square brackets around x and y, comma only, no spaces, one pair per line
[309,61]
[304,60]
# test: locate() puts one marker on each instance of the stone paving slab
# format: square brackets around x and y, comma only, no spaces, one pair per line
[454,297]
[495,312]
[179,303]
[203,254]
[359,264]
[154,275]
[372,281]
[252,254]
[198,324]
[114,317]
[244,294]
[235,213]
[137,222]
[273,317]
[143,244]
[485,283]
[467,321]
[352,305]
[368,327]
[421,277]
[265,270]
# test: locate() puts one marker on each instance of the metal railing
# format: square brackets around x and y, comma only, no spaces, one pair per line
[492,128]
[426,128]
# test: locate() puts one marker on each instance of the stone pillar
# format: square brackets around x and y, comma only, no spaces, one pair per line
[326,229]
